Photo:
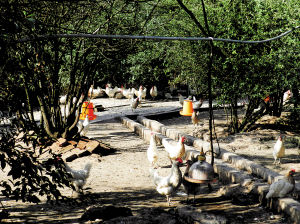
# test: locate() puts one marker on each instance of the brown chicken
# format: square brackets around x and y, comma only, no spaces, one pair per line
[195,118]
[135,102]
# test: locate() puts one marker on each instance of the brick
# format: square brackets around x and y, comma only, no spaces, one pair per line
[91,146]
[62,142]
[67,148]
[72,142]
[74,151]
[81,144]
[55,148]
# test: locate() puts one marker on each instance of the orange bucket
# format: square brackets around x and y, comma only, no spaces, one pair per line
[87,109]
[187,108]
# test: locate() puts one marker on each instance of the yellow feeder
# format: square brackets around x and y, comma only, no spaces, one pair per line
[187,108]
[87,109]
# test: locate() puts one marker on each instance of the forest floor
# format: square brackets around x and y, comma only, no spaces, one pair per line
[122,178]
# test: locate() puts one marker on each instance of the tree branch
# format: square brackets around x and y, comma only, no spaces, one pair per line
[191,14]
[205,18]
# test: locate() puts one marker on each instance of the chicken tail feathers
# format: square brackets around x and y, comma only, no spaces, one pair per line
[270,194]
[152,172]
[88,167]
[68,169]
[166,145]
[155,176]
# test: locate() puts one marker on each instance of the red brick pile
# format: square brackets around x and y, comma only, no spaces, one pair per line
[71,150]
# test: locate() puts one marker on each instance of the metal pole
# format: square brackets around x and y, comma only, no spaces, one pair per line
[210,101]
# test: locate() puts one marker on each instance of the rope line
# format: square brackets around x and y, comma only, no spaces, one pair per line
[104,36]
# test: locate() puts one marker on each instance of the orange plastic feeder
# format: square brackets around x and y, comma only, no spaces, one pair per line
[267,99]
[187,108]
[87,109]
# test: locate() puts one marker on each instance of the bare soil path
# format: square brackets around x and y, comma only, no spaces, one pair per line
[122,178]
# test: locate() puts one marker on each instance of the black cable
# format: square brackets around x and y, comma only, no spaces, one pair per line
[107,36]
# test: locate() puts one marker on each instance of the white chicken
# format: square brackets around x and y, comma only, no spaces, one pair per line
[94,93]
[282,187]
[152,152]
[153,92]
[119,95]
[134,103]
[174,151]
[169,184]
[63,99]
[279,149]
[83,127]
[142,93]
[287,96]
[110,92]
[181,99]
[127,93]
[79,177]
[261,107]
[119,92]
[197,103]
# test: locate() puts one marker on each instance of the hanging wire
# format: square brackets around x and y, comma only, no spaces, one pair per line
[104,36]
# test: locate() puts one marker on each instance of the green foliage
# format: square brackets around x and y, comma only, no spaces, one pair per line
[257,70]
[28,177]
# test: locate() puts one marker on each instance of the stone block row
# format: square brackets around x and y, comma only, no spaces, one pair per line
[225,171]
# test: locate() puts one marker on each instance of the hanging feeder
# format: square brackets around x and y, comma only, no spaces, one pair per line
[201,172]
[87,109]
[187,108]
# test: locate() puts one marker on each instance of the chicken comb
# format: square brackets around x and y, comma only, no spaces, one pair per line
[293,170]
[179,160]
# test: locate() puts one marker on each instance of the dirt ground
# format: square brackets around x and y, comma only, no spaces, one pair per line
[256,145]
[122,178]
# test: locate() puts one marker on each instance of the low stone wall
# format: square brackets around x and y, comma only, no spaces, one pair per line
[236,160]
[236,169]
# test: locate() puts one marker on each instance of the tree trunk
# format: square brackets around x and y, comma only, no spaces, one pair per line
[234,116]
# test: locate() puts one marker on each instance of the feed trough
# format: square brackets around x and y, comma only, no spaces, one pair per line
[200,172]
[196,181]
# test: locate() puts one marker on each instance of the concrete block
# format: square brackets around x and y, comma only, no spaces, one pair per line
[290,207]
[172,133]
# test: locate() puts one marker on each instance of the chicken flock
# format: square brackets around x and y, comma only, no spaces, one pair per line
[169,184]
[135,96]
